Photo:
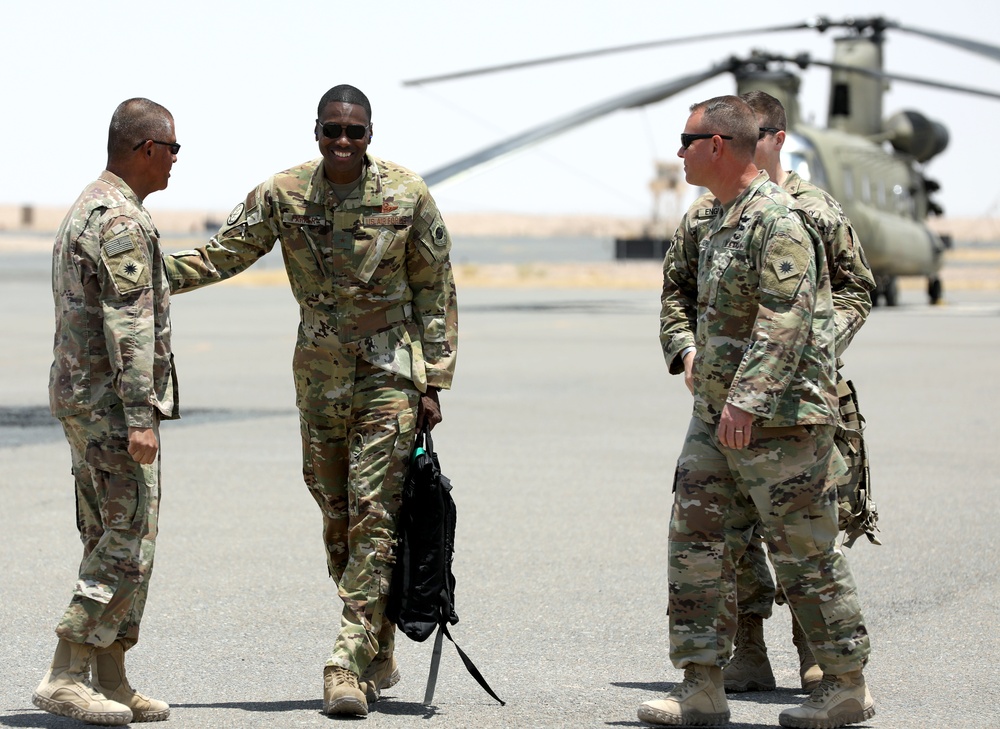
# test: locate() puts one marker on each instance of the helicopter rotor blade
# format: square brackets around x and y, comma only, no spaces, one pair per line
[607,51]
[974,46]
[905,79]
[521,141]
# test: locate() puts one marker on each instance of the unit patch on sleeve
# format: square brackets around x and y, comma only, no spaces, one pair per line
[235,215]
[785,268]
[130,269]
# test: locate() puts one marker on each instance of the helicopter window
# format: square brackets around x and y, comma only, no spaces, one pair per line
[800,164]
[799,155]
[902,199]
[880,193]
[866,188]
[848,183]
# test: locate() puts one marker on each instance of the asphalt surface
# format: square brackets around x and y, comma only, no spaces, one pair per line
[560,436]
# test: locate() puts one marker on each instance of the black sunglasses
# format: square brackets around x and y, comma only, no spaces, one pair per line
[764,131]
[353,131]
[174,147]
[687,139]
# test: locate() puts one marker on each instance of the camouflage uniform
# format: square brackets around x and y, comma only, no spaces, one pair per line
[749,291]
[378,326]
[112,371]
[852,282]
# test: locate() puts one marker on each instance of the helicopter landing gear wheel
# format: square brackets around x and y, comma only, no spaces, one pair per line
[886,290]
[934,289]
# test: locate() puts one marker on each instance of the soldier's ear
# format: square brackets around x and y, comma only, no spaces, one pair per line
[316,129]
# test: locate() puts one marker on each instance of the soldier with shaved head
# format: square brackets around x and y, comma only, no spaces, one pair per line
[111,384]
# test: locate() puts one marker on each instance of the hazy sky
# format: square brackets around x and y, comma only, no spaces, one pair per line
[243,80]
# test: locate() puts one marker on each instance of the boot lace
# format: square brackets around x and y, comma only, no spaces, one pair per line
[343,675]
[690,684]
[827,686]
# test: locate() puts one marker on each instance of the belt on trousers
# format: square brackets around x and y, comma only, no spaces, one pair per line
[363,325]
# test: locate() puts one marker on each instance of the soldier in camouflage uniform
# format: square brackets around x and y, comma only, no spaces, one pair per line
[111,383]
[851,284]
[748,318]
[366,252]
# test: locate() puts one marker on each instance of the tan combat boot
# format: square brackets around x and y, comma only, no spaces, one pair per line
[750,669]
[109,678]
[837,701]
[341,694]
[382,673]
[809,671]
[699,700]
[66,690]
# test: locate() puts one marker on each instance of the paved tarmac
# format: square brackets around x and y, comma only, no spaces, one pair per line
[560,437]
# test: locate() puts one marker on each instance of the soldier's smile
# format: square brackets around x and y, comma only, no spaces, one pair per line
[343,132]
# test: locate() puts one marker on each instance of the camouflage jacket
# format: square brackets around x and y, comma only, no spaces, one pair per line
[112,306]
[851,280]
[371,273]
[744,288]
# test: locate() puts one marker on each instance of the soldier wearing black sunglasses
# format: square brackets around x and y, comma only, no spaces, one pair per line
[747,316]
[367,255]
[111,383]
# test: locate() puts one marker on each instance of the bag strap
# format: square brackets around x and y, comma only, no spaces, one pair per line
[469,666]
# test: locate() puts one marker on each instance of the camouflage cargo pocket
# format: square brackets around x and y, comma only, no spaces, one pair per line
[121,486]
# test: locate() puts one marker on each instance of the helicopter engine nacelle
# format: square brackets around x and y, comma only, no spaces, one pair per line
[913,133]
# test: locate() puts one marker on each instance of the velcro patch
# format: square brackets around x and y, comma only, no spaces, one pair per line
[130,270]
[299,219]
[709,212]
[235,214]
[785,268]
[119,245]
[376,220]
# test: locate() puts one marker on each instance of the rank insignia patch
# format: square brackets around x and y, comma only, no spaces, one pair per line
[130,270]
[785,268]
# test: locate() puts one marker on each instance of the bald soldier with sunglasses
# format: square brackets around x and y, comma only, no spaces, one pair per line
[367,255]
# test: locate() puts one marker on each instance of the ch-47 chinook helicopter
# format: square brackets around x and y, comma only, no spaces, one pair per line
[873,167]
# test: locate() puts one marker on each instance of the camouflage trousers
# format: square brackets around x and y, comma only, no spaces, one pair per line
[117,507]
[355,459]
[756,592]
[777,484]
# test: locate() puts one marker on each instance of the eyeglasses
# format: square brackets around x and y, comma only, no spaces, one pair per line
[764,131]
[687,139]
[353,131]
[174,147]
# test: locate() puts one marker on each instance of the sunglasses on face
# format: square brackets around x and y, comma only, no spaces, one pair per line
[353,131]
[174,147]
[687,139]
[764,131]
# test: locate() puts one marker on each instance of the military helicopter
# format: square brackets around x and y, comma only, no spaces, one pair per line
[873,167]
